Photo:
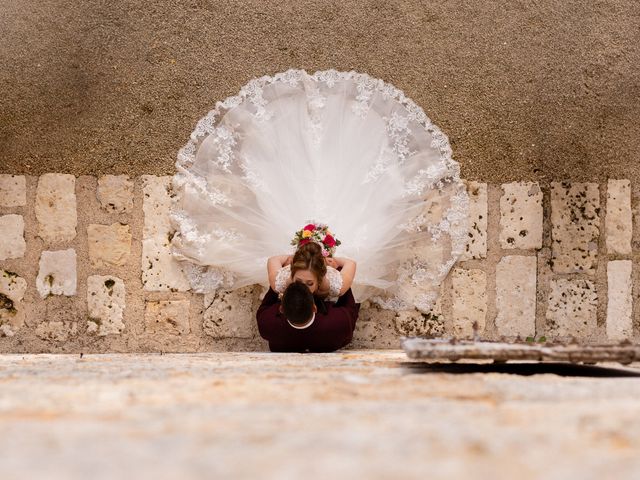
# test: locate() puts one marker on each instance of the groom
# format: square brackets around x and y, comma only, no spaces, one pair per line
[302,323]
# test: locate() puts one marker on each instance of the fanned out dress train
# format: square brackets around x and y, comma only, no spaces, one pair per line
[341,148]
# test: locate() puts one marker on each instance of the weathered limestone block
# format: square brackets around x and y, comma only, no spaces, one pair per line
[375,328]
[109,245]
[13,190]
[469,301]
[56,331]
[115,193]
[231,314]
[12,290]
[571,308]
[575,208]
[106,302]
[477,246]
[414,323]
[620,301]
[417,324]
[56,207]
[160,270]
[167,317]
[521,216]
[516,296]
[618,223]
[57,274]
[12,244]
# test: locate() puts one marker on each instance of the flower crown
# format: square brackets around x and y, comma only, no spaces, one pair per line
[319,233]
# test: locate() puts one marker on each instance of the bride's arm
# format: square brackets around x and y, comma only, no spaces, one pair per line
[274,264]
[348,272]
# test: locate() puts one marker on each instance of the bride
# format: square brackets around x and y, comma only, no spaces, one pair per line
[340,148]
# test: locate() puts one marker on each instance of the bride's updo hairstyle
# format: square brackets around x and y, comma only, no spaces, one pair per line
[309,257]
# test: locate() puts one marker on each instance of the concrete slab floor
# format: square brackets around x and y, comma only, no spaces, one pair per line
[357,414]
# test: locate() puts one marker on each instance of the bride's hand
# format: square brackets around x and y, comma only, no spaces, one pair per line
[331,262]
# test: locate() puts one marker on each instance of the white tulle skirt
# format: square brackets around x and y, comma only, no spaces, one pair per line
[340,148]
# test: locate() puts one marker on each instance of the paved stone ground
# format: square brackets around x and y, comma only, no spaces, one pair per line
[366,414]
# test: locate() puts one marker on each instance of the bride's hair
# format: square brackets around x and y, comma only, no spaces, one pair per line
[309,257]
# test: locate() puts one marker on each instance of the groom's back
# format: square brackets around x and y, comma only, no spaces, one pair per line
[330,330]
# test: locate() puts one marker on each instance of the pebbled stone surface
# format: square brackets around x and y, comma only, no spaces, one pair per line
[115,193]
[109,245]
[12,314]
[571,308]
[516,296]
[478,211]
[521,216]
[57,274]
[56,209]
[206,415]
[106,303]
[13,190]
[618,220]
[619,300]
[469,301]
[575,210]
[12,244]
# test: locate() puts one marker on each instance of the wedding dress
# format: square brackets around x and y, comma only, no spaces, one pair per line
[340,148]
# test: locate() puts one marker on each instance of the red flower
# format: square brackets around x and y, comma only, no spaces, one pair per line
[311,227]
[329,241]
[304,241]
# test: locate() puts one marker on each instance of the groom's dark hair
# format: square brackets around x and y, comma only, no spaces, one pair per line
[297,303]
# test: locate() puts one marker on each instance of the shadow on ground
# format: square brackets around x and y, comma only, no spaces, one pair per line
[525,369]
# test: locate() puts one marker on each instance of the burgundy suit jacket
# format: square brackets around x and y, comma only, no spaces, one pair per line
[329,331]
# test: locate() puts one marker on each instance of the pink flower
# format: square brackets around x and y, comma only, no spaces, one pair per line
[310,227]
[304,241]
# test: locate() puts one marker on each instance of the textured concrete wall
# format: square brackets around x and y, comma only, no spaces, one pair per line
[546,90]
[85,265]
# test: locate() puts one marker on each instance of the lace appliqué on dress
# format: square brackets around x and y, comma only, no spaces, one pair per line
[335,282]
[282,278]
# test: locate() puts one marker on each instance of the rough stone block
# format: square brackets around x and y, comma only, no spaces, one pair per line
[521,216]
[469,301]
[414,323]
[231,314]
[516,296]
[115,193]
[12,244]
[477,246]
[575,209]
[12,290]
[57,274]
[619,301]
[109,245]
[167,317]
[56,331]
[618,223]
[160,270]
[106,302]
[13,190]
[56,208]
[375,328]
[572,308]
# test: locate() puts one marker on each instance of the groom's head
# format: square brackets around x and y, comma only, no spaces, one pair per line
[298,305]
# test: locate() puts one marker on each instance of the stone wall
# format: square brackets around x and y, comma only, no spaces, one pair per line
[85,266]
